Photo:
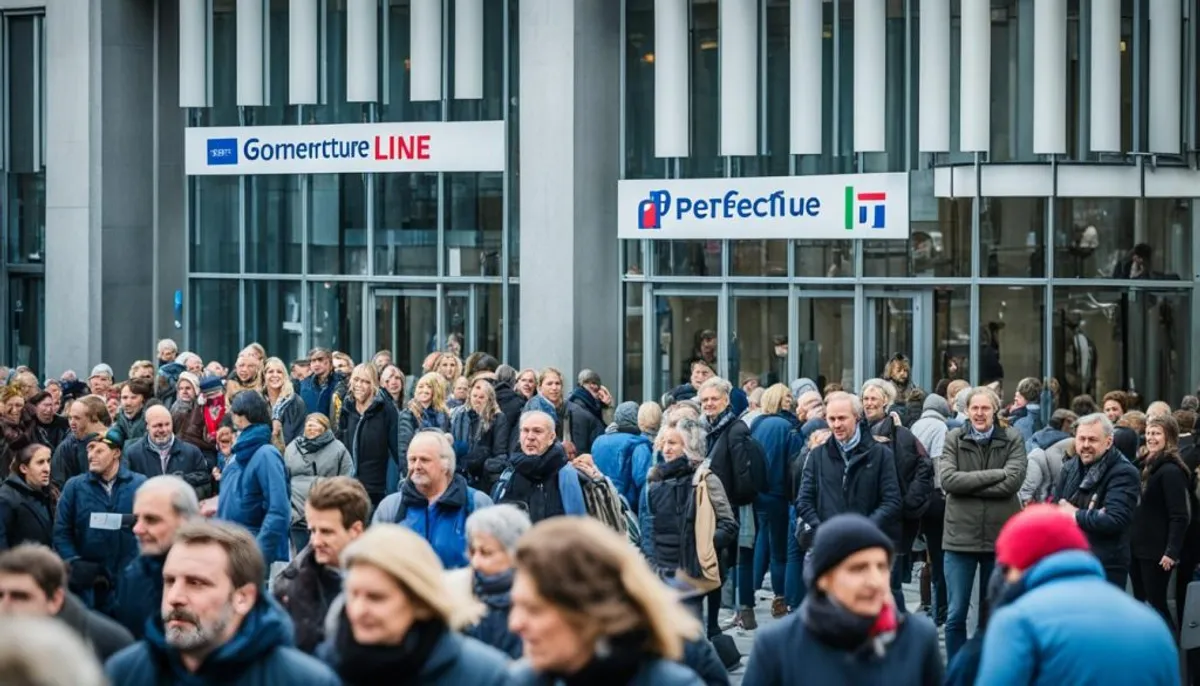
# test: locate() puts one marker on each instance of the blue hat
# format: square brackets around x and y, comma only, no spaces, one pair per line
[210,382]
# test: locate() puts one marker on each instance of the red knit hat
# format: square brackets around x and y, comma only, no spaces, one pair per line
[1035,533]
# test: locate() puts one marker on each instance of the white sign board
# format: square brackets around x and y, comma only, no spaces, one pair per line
[836,207]
[476,146]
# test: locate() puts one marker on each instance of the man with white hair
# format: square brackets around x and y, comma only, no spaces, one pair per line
[191,362]
[541,478]
[167,351]
[433,500]
[160,506]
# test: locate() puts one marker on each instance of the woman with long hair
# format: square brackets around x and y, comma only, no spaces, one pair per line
[481,435]
[288,411]
[28,499]
[392,381]
[551,400]
[247,376]
[527,382]
[589,610]
[15,429]
[449,366]
[368,425]
[427,409]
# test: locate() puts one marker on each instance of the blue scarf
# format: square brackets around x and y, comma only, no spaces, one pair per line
[980,437]
[849,446]
[249,440]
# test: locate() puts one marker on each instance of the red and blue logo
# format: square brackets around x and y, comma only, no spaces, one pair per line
[652,209]
[865,210]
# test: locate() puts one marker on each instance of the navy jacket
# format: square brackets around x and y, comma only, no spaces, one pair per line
[864,482]
[655,672]
[1105,507]
[780,441]
[139,594]
[259,654]
[69,459]
[75,538]
[786,652]
[443,523]
[319,398]
[184,461]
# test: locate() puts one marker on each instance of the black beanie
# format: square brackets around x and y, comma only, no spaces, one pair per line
[838,539]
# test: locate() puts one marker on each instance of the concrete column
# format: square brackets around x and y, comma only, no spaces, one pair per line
[569,100]
[170,184]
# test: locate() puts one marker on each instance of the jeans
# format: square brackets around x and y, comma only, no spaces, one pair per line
[770,542]
[899,562]
[793,585]
[960,579]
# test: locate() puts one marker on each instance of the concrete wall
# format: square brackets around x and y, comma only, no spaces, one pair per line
[170,215]
[569,99]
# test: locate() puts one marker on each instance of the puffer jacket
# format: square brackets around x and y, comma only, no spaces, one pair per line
[652,672]
[981,484]
[372,438]
[667,518]
[443,523]
[310,459]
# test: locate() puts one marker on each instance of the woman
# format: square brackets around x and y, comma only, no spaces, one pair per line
[187,389]
[1115,404]
[481,435]
[527,382]
[449,366]
[674,506]
[550,389]
[392,381]
[589,610]
[49,428]
[847,630]
[14,429]
[288,410]
[54,388]
[426,410]
[314,455]
[458,396]
[367,425]
[394,623]
[492,535]
[1160,522]
[778,432]
[28,499]
[247,376]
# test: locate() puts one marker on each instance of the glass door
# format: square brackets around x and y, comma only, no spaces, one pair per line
[686,327]
[757,354]
[896,325]
[405,324]
[824,345]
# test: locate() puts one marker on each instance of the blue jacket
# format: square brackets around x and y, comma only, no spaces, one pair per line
[259,654]
[626,459]
[654,672]
[443,522]
[1027,420]
[75,538]
[255,493]
[139,593]
[780,441]
[320,398]
[1035,639]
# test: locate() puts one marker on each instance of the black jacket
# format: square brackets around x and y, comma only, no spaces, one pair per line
[485,458]
[371,438]
[864,482]
[1160,522]
[728,449]
[26,515]
[914,473]
[52,434]
[103,635]
[306,589]
[534,484]
[69,459]
[587,420]
[1106,501]
[184,461]
[511,403]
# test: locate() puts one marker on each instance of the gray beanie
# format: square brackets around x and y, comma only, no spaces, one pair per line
[626,414]
[801,386]
[937,403]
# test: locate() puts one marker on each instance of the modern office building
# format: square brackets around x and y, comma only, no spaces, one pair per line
[992,188]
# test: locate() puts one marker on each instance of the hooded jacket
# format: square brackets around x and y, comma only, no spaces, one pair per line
[255,494]
[931,429]
[259,654]
[625,456]
[25,514]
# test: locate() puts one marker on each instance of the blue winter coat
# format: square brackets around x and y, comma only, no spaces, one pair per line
[1037,638]
[443,523]
[255,493]
[1027,420]
[780,441]
[259,654]
[320,398]
[75,538]
[139,594]
[626,459]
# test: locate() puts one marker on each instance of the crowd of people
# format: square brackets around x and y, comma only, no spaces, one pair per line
[320,521]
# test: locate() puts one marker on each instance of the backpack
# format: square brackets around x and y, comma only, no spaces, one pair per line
[402,509]
[750,471]
[604,503]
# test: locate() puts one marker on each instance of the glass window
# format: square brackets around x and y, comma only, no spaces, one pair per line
[1012,83]
[935,248]
[338,219]
[687,257]
[22,98]
[406,238]
[26,321]
[827,259]
[687,328]
[407,326]
[640,162]
[951,334]
[759,258]
[336,318]
[634,362]
[514,148]
[825,350]
[273,310]
[491,106]
[1010,334]
[399,106]
[273,231]
[757,354]
[1123,238]
[632,251]
[1122,339]
[277,111]
[1012,231]
[474,224]
[489,317]
[224,110]
[213,320]
[705,161]
[1169,235]
[27,218]
[215,234]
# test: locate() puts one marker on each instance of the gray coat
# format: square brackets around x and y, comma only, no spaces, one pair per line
[305,468]
[981,485]
[1044,468]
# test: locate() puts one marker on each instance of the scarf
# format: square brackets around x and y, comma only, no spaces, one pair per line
[1092,474]
[250,440]
[281,405]
[617,661]
[583,398]
[980,437]
[308,446]
[843,630]
[163,450]
[495,589]
[365,665]
[182,406]
[848,447]
[717,426]
[214,412]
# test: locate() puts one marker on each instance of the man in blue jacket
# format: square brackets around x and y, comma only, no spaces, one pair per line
[254,485]
[90,530]
[624,455]
[216,623]
[1063,623]
[317,389]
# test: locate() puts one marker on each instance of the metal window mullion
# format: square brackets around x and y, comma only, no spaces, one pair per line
[37,89]
[441,177]
[974,356]
[860,324]
[622,301]
[439,307]
[725,332]
[793,332]
[208,52]
[322,53]
[910,137]
[385,52]
[1136,142]
[506,304]
[651,341]
[371,187]
[836,147]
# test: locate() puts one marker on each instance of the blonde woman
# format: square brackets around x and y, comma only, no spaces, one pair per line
[247,376]
[287,408]
[392,381]
[315,454]
[449,366]
[368,425]
[396,622]
[551,400]
[427,409]
[585,603]
[527,382]
[481,435]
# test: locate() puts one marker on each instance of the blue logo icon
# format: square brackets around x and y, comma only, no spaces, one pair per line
[222,151]
[652,209]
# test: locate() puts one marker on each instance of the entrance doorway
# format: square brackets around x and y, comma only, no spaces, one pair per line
[415,321]
[898,323]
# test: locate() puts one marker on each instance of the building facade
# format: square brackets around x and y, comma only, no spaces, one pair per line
[1047,152]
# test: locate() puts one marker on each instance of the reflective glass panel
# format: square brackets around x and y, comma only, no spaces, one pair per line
[27,218]
[757,354]
[273,310]
[406,237]
[26,322]
[1010,335]
[1012,232]
[825,350]
[213,320]
[407,326]
[399,105]
[474,224]
[273,225]
[214,226]
[687,258]
[687,329]
[634,361]
[338,220]
[336,318]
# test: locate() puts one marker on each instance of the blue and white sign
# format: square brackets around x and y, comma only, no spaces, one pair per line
[835,207]
[476,146]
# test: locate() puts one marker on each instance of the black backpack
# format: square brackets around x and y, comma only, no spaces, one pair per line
[750,471]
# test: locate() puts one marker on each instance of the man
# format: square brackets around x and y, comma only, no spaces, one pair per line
[100,381]
[732,453]
[587,404]
[131,419]
[1045,463]
[336,513]
[1026,412]
[1100,488]
[167,351]
[318,388]
[699,371]
[191,362]
[158,453]
[254,484]
[217,369]
[982,467]
[161,505]
[540,480]
[45,652]
[624,454]
[89,529]
[300,371]
[33,582]
[434,501]
[88,419]
[1062,623]
[216,623]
